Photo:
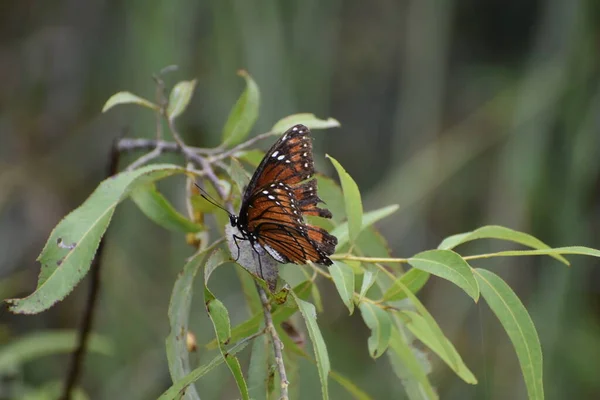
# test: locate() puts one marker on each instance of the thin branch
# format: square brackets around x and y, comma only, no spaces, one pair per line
[277,343]
[350,257]
[146,158]
[240,146]
[85,329]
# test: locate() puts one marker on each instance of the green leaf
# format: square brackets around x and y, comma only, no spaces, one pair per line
[419,327]
[239,175]
[244,113]
[127,98]
[307,119]
[257,371]
[180,97]
[354,208]
[69,251]
[450,266]
[179,312]
[32,346]
[518,325]
[332,195]
[436,333]
[343,278]
[408,368]
[310,318]
[369,218]
[380,324]
[369,277]
[219,317]
[497,232]
[156,207]
[414,279]
[175,391]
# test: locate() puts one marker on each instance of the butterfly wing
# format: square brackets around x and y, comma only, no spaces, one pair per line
[279,194]
[275,219]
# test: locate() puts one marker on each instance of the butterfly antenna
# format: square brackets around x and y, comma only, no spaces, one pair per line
[209,198]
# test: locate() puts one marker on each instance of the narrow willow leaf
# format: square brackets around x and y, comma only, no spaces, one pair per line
[343,278]
[239,175]
[368,280]
[518,325]
[127,98]
[175,391]
[257,371]
[156,207]
[354,208]
[32,346]
[179,312]
[497,232]
[244,113]
[307,119]
[310,318]
[436,333]
[369,218]
[408,368]
[380,324]
[414,279]
[219,317]
[450,266]
[180,97]
[69,251]
[419,327]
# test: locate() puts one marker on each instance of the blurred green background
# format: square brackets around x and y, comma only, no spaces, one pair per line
[465,113]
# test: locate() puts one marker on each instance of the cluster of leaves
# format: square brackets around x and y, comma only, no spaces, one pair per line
[364,274]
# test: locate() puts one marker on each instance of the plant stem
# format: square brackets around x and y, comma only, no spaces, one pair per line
[276,340]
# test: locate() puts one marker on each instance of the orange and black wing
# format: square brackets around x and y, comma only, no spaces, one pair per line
[275,219]
[280,193]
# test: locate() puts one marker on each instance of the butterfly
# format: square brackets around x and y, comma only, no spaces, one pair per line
[280,193]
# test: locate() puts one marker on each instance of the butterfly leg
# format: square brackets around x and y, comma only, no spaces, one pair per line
[235,239]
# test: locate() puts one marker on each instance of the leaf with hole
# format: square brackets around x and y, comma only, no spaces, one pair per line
[68,253]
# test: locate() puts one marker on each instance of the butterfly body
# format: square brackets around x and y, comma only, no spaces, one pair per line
[281,192]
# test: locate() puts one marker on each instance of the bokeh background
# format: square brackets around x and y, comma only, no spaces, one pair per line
[463,112]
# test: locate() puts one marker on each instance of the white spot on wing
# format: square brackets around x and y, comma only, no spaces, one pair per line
[271,197]
[275,254]
[281,157]
[265,192]
[275,153]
